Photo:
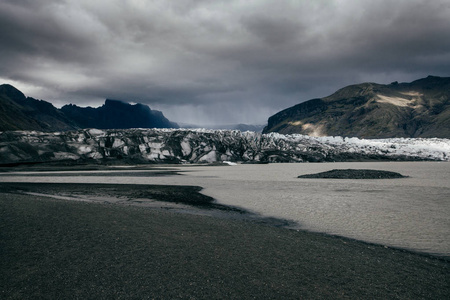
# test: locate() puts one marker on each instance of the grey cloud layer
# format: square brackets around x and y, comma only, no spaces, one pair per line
[218,55]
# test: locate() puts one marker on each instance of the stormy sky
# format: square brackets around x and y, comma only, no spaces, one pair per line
[217,62]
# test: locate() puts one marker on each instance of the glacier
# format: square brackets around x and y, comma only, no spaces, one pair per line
[207,146]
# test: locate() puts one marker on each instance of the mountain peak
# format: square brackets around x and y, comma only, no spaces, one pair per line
[115,102]
[117,114]
[11,92]
[20,113]
[370,110]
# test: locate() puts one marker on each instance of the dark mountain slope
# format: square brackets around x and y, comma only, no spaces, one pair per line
[417,109]
[117,114]
[18,112]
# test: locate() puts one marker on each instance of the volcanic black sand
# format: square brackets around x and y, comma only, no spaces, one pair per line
[58,249]
[354,174]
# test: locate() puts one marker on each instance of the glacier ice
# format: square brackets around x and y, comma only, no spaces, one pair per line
[202,145]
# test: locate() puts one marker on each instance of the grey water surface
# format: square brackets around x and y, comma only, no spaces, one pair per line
[411,213]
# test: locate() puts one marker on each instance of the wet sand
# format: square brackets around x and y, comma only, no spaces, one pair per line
[52,248]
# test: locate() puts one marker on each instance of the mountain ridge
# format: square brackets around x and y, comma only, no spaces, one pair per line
[369,110]
[18,112]
[117,114]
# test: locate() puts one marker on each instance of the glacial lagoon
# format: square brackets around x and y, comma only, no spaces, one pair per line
[411,213]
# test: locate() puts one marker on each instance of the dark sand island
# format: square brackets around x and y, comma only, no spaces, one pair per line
[354,174]
[52,248]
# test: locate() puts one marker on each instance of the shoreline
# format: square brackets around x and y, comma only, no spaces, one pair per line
[177,199]
[53,248]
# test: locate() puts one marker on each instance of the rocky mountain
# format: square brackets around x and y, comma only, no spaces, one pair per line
[18,112]
[117,114]
[369,110]
[205,146]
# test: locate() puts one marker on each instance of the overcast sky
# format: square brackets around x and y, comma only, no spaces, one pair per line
[217,62]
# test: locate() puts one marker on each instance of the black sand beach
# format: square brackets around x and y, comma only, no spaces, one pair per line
[57,249]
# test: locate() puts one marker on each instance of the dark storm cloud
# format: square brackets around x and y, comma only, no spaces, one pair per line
[217,61]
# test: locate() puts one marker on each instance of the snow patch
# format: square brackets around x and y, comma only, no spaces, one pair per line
[84,149]
[96,132]
[397,101]
[118,143]
[296,123]
[313,129]
[185,148]
[142,148]
[209,157]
